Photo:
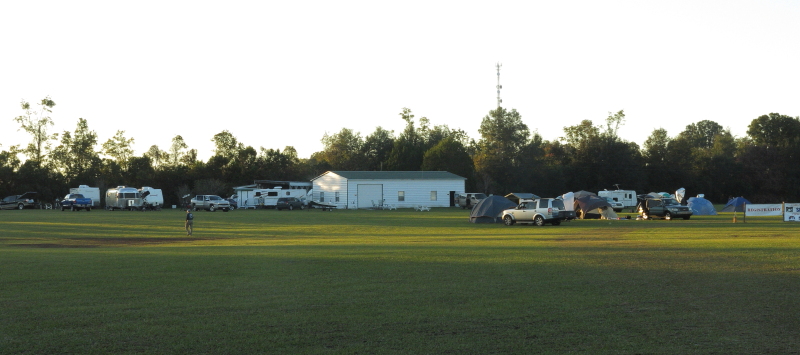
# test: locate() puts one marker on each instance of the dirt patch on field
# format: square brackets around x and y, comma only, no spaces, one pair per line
[108,242]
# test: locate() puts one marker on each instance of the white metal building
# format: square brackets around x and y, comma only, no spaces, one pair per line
[403,189]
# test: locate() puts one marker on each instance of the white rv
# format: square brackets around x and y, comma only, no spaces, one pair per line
[265,193]
[627,197]
[154,197]
[123,198]
[90,192]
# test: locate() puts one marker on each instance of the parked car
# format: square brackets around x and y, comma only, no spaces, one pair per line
[234,204]
[18,202]
[668,208]
[538,211]
[210,203]
[289,203]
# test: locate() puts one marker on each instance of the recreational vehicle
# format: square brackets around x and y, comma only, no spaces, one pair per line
[88,192]
[123,198]
[152,197]
[627,197]
[265,193]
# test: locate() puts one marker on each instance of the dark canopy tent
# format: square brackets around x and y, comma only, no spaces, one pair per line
[736,205]
[490,209]
[588,204]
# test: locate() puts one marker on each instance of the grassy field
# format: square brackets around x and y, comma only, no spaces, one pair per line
[386,282]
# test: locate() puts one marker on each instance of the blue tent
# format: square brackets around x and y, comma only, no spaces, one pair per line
[736,205]
[701,207]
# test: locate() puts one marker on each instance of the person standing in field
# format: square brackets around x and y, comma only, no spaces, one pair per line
[189,222]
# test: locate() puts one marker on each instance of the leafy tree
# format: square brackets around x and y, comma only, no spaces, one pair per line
[376,149]
[343,150]
[157,156]
[119,148]
[498,152]
[36,124]
[226,145]
[702,134]
[76,156]
[775,130]
[449,155]
[177,151]
[408,149]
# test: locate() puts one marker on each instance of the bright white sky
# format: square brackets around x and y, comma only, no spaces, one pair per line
[279,73]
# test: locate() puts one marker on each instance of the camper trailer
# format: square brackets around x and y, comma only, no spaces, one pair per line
[123,198]
[265,193]
[153,198]
[627,197]
[89,192]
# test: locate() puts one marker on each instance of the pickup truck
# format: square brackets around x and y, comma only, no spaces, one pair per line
[210,203]
[469,200]
[75,202]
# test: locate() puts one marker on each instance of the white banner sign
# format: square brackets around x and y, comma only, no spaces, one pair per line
[791,212]
[764,210]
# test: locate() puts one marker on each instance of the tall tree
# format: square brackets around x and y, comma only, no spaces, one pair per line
[119,148]
[76,156]
[497,156]
[376,149]
[36,123]
[775,130]
[343,150]
[408,149]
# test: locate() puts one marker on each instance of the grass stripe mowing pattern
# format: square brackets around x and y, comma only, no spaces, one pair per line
[392,282]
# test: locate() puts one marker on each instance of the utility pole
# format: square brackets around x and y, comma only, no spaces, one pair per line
[499,100]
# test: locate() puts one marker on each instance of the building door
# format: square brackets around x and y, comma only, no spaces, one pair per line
[369,194]
[452,198]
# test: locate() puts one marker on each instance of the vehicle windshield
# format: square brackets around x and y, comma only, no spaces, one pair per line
[670,202]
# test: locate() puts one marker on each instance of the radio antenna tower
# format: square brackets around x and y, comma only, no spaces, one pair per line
[499,100]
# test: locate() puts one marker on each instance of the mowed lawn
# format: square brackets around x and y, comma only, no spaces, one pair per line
[386,282]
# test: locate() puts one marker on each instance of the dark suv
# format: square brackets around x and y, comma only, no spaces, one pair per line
[663,207]
[289,203]
[18,202]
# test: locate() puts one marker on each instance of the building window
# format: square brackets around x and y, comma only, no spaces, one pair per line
[322,196]
[336,196]
[433,195]
[401,196]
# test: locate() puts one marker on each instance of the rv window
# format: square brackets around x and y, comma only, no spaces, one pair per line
[272,193]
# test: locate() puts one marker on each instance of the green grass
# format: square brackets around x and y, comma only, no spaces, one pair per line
[393,282]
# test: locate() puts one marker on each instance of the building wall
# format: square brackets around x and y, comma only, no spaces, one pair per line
[417,192]
[327,186]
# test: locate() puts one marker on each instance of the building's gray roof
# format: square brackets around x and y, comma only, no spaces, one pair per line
[398,175]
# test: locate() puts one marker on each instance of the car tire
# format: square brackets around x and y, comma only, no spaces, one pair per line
[72,208]
[226,209]
[686,217]
[538,220]
[212,208]
[20,206]
[88,209]
[302,207]
[508,221]
[62,208]
[291,207]
[668,216]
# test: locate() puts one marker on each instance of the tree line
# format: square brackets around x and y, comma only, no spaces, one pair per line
[507,157]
